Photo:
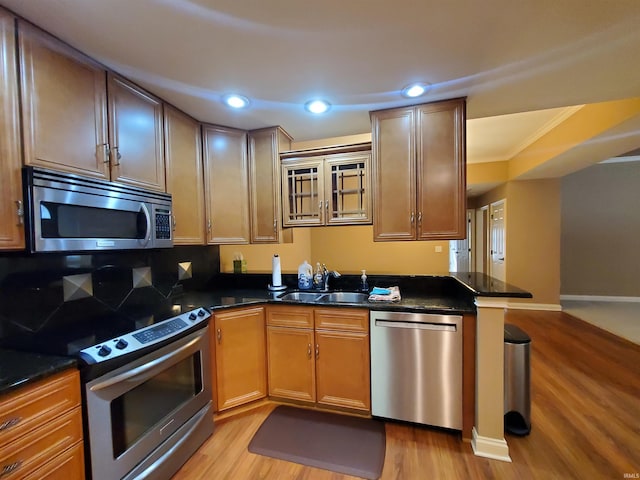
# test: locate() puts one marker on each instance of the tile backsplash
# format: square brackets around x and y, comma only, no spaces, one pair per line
[40,292]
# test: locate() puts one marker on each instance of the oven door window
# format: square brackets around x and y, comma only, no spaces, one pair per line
[142,408]
[59,220]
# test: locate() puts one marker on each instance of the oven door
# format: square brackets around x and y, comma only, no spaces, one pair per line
[141,415]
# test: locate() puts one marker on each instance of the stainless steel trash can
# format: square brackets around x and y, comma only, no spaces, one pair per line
[517,380]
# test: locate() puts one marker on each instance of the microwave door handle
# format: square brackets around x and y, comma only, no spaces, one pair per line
[147,216]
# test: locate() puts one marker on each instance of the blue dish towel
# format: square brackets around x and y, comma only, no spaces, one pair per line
[380,291]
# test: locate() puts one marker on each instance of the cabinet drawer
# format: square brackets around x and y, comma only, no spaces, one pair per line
[68,465]
[28,408]
[300,317]
[345,319]
[36,448]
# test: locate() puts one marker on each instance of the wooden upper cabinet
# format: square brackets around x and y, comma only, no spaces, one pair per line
[328,186]
[11,206]
[64,106]
[441,164]
[135,135]
[265,146]
[419,170]
[226,184]
[185,177]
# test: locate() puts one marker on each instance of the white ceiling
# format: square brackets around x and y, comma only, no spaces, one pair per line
[506,57]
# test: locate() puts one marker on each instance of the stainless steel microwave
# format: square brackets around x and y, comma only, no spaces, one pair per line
[68,213]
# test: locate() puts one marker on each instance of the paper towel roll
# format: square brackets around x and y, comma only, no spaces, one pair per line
[276,275]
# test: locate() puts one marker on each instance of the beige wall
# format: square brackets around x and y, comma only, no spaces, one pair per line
[601,231]
[532,236]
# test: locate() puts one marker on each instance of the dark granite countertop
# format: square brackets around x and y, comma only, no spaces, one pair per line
[483,285]
[21,368]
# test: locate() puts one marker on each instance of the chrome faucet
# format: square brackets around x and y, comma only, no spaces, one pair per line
[325,277]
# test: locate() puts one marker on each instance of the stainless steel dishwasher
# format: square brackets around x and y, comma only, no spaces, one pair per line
[416,368]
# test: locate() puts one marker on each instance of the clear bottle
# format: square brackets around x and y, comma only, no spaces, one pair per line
[364,285]
[317,278]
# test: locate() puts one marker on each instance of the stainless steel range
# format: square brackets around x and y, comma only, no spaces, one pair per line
[146,391]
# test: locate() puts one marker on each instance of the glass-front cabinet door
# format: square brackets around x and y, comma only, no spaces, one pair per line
[329,186]
[347,188]
[303,192]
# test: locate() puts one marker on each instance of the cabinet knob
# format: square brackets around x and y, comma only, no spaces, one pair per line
[219,335]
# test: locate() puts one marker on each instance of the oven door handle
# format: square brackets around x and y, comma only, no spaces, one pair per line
[146,371]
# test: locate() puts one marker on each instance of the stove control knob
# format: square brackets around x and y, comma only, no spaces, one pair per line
[121,344]
[104,351]
[201,313]
[192,316]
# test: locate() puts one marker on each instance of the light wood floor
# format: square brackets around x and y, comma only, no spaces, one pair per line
[585,418]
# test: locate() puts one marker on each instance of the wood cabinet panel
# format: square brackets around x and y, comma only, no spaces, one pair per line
[419,169]
[27,408]
[345,319]
[64,106]
[184,176]
[342,369]
[11,228]
[226,185]
[240,351]
[290,316]
[441,171]
[291,363]
[135,121]
[68,465]
[264,174]
[394,174]
[33,450]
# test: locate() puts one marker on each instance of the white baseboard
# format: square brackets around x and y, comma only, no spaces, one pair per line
[494,448]
[549,307]
[599,298]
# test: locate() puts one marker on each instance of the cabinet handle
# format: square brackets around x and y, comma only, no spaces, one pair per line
[320,209]
[326,206]
[275,225]
[309,351]
[209,225]
[317,351]
[413,218]
[173,222]
[7,424]
[419,219]
[118,156]
[219,335]
[12,467]
[20,212]
[107,152]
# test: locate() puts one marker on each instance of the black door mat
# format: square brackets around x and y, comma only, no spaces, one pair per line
[340,443]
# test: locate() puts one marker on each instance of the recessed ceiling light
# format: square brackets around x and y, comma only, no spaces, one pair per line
[317,106]
[236,101]
[415,90]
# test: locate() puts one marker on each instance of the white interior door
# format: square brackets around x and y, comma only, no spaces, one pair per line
[497,240]
[480,240]
[460,255]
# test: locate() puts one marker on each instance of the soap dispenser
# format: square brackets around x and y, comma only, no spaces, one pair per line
[364,286]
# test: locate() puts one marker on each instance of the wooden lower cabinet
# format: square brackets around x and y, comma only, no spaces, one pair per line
[327,365]
[240,369]
[342,369]
[41,430]
[292,372]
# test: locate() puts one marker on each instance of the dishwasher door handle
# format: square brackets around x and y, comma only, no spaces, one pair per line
[440,327]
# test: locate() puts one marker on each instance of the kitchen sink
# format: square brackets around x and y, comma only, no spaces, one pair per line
[344,297]
[302,296]
[332,297]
